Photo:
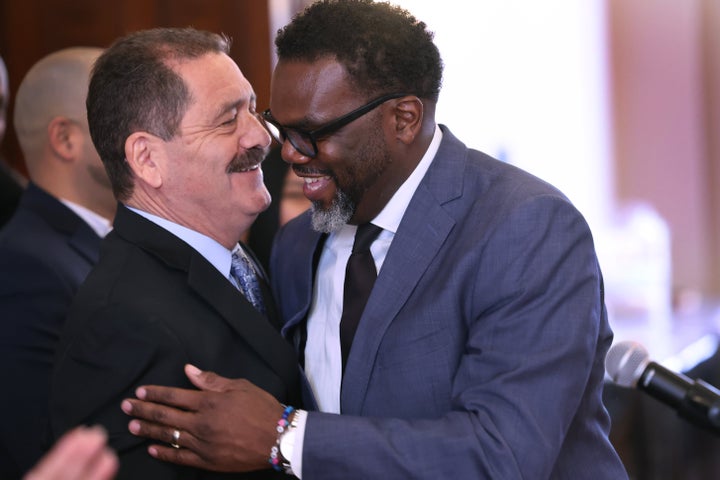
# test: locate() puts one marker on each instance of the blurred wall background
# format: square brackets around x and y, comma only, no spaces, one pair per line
[646,81]
[30,29]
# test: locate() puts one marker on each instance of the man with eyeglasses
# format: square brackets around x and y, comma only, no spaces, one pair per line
[479,352]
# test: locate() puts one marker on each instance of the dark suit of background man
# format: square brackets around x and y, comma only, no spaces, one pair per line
[480,351]
[49,245]
[174,121]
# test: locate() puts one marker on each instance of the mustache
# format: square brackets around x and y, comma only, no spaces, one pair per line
[249,159]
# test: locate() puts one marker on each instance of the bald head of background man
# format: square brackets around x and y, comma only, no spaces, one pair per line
[49,245]
[51,125]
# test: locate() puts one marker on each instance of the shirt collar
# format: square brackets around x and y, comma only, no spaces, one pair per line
[100,225]
[390,216]
[219,256]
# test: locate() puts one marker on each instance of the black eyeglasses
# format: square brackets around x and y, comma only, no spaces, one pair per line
[306,142]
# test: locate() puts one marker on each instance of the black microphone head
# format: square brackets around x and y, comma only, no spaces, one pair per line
[625,363]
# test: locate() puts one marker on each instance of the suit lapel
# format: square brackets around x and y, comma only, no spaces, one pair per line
[416,244]
[308,249]
[215,289]
[419,239]
[81,237]
[86,242]
[253,326]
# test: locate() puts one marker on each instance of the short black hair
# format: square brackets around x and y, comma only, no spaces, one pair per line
[383,47]
[134,88]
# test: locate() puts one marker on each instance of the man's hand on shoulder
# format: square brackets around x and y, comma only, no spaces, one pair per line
[229,425]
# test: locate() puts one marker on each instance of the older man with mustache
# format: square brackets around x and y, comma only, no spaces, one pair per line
[174,121]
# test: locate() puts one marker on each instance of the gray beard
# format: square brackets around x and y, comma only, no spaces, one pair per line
[333,218]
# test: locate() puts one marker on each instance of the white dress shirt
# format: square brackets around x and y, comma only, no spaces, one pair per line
[98,223]
[323,362]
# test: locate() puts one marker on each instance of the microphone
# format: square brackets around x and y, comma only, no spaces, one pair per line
[628,365]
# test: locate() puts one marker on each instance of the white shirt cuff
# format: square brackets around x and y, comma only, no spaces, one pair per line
[291,444]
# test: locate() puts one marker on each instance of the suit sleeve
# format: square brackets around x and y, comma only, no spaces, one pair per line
[102,363]
[34,300]
[528,383]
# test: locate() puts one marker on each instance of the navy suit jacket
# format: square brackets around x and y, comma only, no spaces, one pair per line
[46,251]
[480,353]
[151,305]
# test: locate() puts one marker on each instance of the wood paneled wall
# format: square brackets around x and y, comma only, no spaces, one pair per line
[31,29]
[666,103]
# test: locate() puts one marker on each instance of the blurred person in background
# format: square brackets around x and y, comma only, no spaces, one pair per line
[49,245]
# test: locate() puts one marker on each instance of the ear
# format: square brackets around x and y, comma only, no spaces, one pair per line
[142,154]
[407,119]
[61,137]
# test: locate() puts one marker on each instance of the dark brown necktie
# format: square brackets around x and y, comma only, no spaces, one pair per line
[360,275]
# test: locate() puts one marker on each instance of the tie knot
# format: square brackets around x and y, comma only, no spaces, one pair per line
[365,236]
[240,263]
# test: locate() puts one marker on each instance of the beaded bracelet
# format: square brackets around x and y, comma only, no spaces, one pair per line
[276,460]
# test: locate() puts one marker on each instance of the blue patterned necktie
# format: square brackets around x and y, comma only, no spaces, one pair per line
[247,280]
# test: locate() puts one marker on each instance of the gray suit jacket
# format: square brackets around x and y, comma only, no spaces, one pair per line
[481,351]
